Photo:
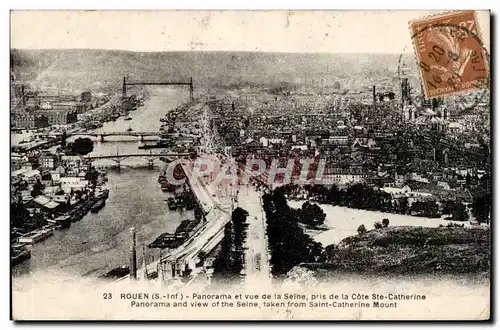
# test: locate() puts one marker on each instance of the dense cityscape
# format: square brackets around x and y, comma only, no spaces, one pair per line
[385,149]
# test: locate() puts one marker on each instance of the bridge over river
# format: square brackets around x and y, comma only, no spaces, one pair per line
[101,135]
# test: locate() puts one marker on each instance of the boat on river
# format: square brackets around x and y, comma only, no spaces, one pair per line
[36,236]
[116,273]
[63,221]
[102,193]
[19,253]
[98,205]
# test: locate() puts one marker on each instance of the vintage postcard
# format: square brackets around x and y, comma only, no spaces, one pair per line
[250,165]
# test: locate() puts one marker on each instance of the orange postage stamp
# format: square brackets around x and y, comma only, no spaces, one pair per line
[450,53]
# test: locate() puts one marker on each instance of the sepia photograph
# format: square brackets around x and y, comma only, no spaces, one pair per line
[250,165]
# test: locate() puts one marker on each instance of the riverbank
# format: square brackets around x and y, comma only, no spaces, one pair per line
[342,222]
[107,233]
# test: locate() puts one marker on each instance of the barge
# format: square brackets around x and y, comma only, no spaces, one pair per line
[98,205]
[63,221]
[19,253]
[36,236]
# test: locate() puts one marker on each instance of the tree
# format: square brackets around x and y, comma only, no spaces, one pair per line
[81,146]
[223,263]
[385,222]
[361,229]
[288,244]
[86,97]
[460,212]
[239,221]
[377,225]
[311,214]
[427,209]
[448,207]
[403,205]
[64,137]
[481,208]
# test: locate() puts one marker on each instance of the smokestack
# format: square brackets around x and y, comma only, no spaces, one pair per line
[124,88]
[374,99]
[191,95]
[133,256]
[23,97]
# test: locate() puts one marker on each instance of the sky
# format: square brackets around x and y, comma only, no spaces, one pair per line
[266,31]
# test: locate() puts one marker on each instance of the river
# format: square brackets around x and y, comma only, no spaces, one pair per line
[101,241]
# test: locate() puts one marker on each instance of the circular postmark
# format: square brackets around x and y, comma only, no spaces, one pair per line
[466,102]
[451,59]
[450,55]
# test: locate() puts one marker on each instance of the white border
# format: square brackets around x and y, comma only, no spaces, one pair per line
[190,4]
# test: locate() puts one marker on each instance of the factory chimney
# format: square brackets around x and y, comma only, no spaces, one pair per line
[23,96]
[374,99]
[133,256]
[124,88]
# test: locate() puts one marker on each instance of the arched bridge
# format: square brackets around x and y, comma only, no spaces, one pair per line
[118,158]
[101,135]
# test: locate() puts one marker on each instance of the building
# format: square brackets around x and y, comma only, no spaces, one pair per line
[345,176]
[45,203]
[31,176]
[70,106]
[69,184]
[397,192]
[48,161]
[430,120]
[22,119]
[28,120]
[60,117]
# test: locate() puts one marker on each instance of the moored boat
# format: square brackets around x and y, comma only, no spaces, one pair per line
[19,253]
[36,236]
[98,205]
[116,273]
[63,221]
[102,193]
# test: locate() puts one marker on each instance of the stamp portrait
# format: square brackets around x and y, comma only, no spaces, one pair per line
[449,53]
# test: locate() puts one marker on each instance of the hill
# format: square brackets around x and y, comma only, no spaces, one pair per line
[86,67]
[410,250]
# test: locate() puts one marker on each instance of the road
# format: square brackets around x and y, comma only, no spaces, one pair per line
[258,273]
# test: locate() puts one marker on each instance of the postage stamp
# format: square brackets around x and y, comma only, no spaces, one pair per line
[450,53]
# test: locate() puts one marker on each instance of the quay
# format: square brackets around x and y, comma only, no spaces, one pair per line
[217,213]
